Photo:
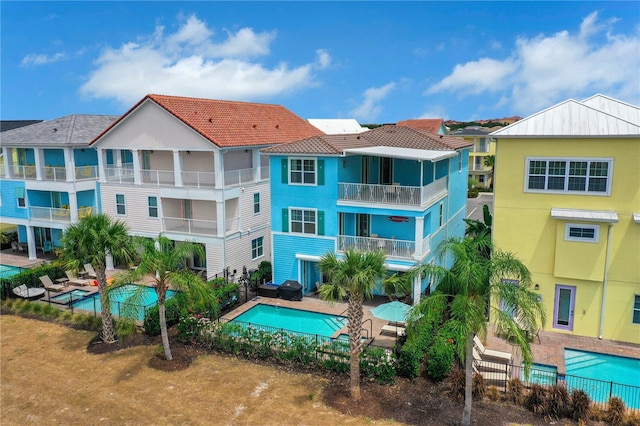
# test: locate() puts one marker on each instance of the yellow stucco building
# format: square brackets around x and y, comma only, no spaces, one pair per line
[483,146]
[567,203]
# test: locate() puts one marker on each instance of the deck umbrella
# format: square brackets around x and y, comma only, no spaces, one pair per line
[392,311]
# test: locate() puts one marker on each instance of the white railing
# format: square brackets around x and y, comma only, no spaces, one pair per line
[158,177]
[426,245]
[391,194]
[27,172]
[197,226]
[391,247]
[50,214]
[86,172]
[199,179]
[238,177]
[478,167]
[54,174]
[264,173]
[119,174]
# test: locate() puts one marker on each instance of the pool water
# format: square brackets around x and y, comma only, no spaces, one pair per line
[606,371]
[541,374]
[292,320]
[7,271]
[120,305]
[70,296]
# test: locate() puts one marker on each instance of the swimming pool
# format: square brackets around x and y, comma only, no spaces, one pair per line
[7,271]
[541,374]
[120,306]
[292,320]
[610,375]
[70,296]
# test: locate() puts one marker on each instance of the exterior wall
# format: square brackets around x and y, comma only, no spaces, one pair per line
[9,206]
[136,208]
[523,225]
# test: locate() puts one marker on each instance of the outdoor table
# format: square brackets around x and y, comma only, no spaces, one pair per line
[64,281]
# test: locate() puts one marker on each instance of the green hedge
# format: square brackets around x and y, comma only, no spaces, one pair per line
[30,277]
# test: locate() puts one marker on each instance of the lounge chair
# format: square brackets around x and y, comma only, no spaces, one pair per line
[393,329]
[30,293]
[73,279]
[91,273]
[494,378]
[49,285]
[490,354]
[489,366]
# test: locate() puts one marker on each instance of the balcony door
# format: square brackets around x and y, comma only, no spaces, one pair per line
[363,225]
[366,171]
[386,171]
[563,307]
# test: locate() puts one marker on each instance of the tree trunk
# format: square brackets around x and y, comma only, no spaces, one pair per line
[108,330]
[354,327]
[468,391]
[163,332]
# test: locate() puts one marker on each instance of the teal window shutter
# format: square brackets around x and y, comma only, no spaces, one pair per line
[285,170]
[320,172]
[19,191]
[320,222]
[285,220]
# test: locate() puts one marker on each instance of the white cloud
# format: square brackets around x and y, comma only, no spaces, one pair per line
[370,107]
[42,59]
[547,69]
[435,111]
[323,58]
[191,62]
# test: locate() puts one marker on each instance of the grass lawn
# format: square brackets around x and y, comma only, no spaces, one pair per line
[47,377]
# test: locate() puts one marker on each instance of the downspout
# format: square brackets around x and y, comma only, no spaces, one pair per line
[606,279]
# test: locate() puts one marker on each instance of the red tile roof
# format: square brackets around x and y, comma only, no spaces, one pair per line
[393,136]
[232,124]
[429,124]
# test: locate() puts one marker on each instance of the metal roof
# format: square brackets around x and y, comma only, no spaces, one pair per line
[607,216]
[576,119]
[402,153]
[337,126]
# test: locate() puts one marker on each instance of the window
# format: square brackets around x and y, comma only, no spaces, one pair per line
[482,145]
[459,162]
[560,175]
[441,214]
[257,249]
[480,178]
[153,206]
[303,221]
[20,197]
[120,207]
[303,171]
[256,203]
[636,309]
[584,233]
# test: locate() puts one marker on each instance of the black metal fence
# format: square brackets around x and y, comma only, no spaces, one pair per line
[599,391]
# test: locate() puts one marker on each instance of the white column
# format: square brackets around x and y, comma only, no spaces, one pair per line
[109,262]
[73,206]
[255,160]
[137,177]
[8,162]
[177,168]
[38,155]
[220,218]
[218,167]
[69,164]
[117,156]
[101,171]
[417,287]
[419,231]
[31,243]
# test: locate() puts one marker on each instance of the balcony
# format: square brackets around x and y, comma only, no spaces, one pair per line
[51,214]
[181,225]
[26,172]
[119,174]
[54,173]
[391,247]
[86,173]
[190,179]
[392,194]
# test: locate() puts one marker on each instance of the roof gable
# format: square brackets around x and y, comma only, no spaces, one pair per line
[570,119]
[233,124]
[337,126]
[623,110]
[432,125]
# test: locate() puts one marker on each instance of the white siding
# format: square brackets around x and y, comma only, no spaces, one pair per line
[136,206]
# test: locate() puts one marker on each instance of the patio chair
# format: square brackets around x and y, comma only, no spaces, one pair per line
[73,279]
[490,353]
[30,293]
[91,273]
[49,285]
[393,329]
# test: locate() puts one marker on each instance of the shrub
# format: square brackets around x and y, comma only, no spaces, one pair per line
[515,391]
[30,277]
[478,386]
[441,355]
[580,405]
[455,383]
[615,411]
[125,327]
[378,364]
[493,393]
[558,402]
[535,401]
[409,361]
[172,309]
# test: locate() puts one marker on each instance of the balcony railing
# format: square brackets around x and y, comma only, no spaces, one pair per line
[391,247]
[119,174]
[391,194]
[158,177]
[197,226]
[191,179]
[199,179]
[54,173]
[86,172]
[50,214]
[26,172]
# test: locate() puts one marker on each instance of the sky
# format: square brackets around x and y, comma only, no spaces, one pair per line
[377,62]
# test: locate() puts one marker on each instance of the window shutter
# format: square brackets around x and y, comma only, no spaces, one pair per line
[320,172]
[285,170]
[19,191]
[285,220]
[320,222]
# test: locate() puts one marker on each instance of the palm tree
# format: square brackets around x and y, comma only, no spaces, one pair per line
[490,161]
[91,240]
[164,260]
[474,285]
[353,277]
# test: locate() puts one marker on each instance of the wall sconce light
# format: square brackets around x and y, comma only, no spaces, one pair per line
[188,152]
[344,163]
[536,287]
[150,151]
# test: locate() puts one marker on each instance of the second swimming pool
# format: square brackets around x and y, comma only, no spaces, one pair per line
[120,304]
[292,319]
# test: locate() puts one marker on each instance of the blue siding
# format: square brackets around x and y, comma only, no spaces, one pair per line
[9,202]
[53,157]
[85,157]
[287,246]
[86,198]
